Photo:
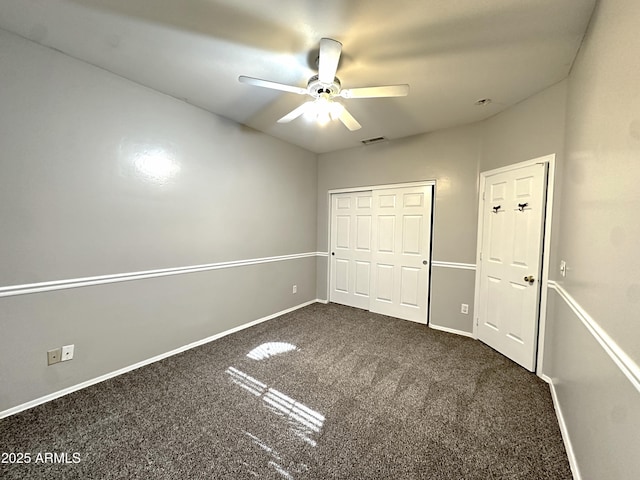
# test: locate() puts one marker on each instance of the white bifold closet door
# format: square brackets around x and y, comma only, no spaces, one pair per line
[380,249]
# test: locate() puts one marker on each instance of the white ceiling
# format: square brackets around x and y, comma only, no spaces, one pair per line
[451,53]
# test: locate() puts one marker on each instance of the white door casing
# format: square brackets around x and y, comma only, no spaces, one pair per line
[351,222]
[401,248]
[512,216]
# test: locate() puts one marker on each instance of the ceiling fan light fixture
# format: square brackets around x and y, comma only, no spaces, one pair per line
[323,119]
[324,109]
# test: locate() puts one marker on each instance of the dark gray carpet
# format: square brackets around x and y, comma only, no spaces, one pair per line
[351,395]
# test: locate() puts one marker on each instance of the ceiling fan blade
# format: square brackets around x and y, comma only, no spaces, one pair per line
[295,113]
[273,85]
[328,60]
[373,92]
[348,120]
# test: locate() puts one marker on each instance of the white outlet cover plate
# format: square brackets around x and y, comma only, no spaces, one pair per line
[67,353]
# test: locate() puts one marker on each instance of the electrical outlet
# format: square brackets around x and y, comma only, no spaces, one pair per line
[67,353]
[464,308]
[295,289]
[54,356]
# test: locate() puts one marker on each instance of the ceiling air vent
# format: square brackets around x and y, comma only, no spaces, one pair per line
[370,141]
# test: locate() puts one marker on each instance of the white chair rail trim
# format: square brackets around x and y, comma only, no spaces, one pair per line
[13,290]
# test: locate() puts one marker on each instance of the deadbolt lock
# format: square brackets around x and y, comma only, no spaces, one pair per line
[529,279]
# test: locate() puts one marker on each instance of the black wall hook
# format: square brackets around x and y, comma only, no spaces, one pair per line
[521,206]
[496,208]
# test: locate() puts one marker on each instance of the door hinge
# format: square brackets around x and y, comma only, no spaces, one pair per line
[480,256]
[482,195]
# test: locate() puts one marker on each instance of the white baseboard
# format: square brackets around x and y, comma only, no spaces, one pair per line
[102,378]
[573,463]
[451,330]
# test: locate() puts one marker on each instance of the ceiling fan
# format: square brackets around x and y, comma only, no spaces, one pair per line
[325,87]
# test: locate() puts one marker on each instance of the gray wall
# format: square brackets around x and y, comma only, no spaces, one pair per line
[531,129]
[599,240]
[450,157]
[79,197]
[454,158]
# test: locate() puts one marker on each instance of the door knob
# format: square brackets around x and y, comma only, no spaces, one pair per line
[424,262]
[529,279]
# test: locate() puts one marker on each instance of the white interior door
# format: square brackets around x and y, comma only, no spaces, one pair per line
[512,210]
[400,252]
[351,222]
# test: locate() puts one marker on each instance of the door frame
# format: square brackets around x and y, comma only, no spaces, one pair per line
[550,161]
[365,188]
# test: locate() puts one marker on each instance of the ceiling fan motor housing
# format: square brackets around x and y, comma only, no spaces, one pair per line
[317,88]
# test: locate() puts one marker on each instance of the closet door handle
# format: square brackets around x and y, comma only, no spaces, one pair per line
[424,262]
